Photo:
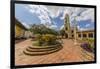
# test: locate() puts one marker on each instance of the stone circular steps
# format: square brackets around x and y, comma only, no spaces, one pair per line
[44,47]
[41,51]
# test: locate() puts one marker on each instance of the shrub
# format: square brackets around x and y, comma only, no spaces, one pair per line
[89,40]
[49,39]
[39,39]
[46,39]
[84,45]
[87,46]
[38,36]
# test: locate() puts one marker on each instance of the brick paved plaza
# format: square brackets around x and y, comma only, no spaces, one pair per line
[69,53]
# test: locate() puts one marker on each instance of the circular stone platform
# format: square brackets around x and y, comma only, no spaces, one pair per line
[41,50]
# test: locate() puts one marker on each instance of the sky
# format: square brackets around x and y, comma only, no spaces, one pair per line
[53,16]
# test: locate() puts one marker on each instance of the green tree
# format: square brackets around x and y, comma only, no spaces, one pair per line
[41,29]
[62,33]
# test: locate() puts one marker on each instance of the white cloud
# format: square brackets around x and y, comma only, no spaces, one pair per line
[87,25]
[81,13]
[25,24]
[62,27]
[65,11]
[45,12]
[53,11]
[87,15]
[53,26]
[42,13]
[81,29]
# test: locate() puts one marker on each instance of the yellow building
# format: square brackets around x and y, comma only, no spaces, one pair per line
[19,29]
[85,34]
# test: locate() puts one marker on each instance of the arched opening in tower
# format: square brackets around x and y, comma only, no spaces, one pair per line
[66,35]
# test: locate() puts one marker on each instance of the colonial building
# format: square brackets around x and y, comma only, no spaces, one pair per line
[19,29]
[85,34]
[28,34]
[71,32]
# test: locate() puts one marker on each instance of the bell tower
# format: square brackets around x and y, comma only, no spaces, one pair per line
[67,27]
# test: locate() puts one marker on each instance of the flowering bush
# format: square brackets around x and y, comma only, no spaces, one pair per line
[87,46]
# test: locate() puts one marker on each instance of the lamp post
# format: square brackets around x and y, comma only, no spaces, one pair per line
[75,31]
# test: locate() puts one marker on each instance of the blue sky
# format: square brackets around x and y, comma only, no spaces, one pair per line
[53,16]
[23,15]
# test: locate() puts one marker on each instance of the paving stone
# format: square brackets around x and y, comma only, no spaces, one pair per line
[69,53]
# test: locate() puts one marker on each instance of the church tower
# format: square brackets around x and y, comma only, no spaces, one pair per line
[67,27]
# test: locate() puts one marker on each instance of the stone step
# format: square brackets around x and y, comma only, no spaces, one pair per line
[44,47]
[41,52]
